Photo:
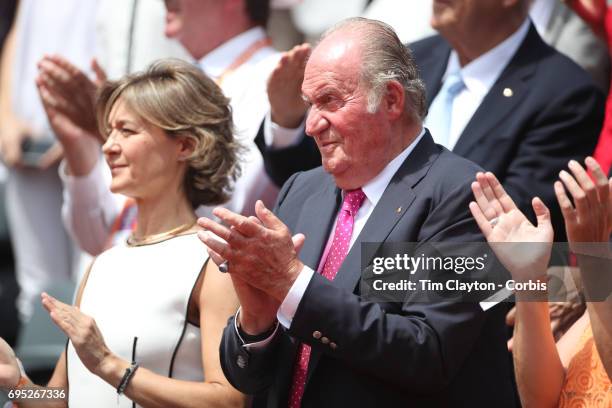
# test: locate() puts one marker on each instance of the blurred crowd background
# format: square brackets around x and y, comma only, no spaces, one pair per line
[114,32]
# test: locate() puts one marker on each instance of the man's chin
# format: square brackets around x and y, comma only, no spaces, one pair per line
[343,177]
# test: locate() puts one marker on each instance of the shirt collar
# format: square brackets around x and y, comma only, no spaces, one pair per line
[540,13]
[480,74]
[375,188]
[218,60]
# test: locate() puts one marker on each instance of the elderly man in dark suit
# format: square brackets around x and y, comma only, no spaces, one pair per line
[330,347]
[518,107]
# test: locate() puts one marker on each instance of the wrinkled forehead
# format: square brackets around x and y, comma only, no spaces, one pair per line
[334,60]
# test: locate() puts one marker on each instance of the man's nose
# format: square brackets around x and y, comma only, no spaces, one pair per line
[315,122]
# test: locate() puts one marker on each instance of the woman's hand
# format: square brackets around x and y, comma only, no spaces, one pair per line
[67,91]
[503,224]
[590,218]
[9,368]
[82,331]
[13,132]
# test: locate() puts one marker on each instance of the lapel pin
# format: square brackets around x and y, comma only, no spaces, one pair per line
[399,210]
[508,92]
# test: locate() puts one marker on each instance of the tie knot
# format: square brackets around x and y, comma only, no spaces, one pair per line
[353,200]
[454,83]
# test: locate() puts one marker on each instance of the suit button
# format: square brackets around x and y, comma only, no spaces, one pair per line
[333,345]
[324,340]
[241,361]
[316,334]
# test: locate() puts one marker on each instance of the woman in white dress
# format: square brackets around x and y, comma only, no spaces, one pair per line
[149,314]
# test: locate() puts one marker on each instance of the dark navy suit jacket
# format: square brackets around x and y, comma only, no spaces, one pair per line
[408,354]
[555,114]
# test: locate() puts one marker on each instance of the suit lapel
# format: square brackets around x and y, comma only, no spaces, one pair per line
[399,194]
[511,88]
[316,221]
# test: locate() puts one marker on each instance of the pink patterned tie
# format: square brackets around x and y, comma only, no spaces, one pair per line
[335,256]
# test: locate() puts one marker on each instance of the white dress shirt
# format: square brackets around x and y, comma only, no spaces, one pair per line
[479,76]
[540,13]
[373,191]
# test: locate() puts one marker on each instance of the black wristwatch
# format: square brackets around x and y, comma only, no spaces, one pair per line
[254,338]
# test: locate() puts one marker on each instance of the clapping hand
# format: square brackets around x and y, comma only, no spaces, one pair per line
[68,93]
[262,258]
[503,224]
[82,332]
[13,132]
[590,218]
[9,368]
[285,87]
[68,97]
[588,224]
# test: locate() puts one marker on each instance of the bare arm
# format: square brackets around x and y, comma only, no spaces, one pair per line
[217,303]
[5,73]
[600,315]
[12,130]
[537,365]
[58,380]
[10,373]
[589,223]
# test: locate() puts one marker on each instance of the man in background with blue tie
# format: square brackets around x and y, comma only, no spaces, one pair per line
[501,97]
[304,333]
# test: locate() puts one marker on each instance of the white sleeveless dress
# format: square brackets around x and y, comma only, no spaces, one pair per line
[141,292]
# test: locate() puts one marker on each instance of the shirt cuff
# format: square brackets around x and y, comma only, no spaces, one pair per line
[258,345]
[84,190]
[278,137]
[287,309]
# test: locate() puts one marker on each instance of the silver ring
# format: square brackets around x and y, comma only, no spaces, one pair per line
[224,267]
[494,221]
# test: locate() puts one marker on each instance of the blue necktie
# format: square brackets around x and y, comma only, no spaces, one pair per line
[438,119]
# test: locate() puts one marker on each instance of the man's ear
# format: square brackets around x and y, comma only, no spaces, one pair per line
[394,99]
[186,146]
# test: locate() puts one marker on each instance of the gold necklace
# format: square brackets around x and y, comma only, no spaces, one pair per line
[162,236]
